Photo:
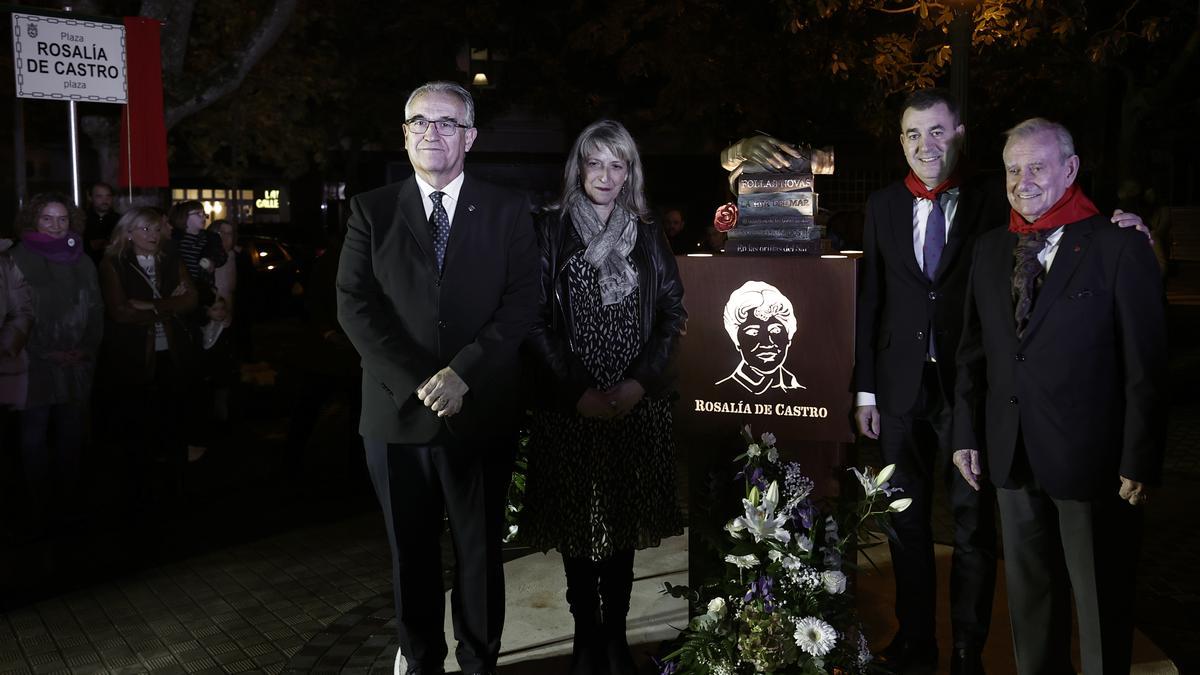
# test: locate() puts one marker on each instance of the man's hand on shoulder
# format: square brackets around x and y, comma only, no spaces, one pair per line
[867,419]
[1126,219]
[967,461]
[443,393]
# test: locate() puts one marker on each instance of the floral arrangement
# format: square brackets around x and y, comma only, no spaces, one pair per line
[782,603]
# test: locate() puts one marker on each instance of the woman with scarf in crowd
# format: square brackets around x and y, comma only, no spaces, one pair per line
[601,471]
[68,322]
[147,349]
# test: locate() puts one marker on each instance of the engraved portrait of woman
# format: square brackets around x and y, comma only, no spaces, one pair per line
[761,323]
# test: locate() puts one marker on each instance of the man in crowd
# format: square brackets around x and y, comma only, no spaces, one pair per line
[436,288]
[100,220]
[1064,351]
[676,231]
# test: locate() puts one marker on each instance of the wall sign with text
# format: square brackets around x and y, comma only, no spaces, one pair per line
[770,342]
[68,59]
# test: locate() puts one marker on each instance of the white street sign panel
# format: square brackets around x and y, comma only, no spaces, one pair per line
[67,59]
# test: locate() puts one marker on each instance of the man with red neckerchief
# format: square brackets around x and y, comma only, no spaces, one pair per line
[917,241]
[1064,352]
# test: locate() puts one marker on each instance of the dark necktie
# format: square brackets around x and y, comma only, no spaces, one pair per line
[1027,276]
[935,238]
[439,227]
[935,241]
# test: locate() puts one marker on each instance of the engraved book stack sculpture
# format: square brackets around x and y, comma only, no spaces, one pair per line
[777,208]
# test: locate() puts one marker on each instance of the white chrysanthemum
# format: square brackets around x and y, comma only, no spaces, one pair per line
[745,562]
[835,582]
[814,636]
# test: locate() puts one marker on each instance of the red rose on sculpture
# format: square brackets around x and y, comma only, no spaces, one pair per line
[726,218]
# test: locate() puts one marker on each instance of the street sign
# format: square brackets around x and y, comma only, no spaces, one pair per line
[67,59]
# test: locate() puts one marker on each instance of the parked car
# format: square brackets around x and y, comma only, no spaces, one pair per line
[279,276]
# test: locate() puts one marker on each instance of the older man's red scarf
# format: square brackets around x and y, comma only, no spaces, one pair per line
[1072,207]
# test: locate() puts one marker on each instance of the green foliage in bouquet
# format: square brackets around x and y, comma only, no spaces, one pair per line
[515,502]
[781,605]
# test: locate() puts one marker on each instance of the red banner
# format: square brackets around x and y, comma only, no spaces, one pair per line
[143,127]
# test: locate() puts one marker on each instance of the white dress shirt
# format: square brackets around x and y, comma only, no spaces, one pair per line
[449,199]
[921,210]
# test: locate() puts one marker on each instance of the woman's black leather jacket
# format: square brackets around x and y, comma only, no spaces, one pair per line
[561,377]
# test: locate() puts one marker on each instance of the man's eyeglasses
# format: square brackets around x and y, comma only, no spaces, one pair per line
[419,125]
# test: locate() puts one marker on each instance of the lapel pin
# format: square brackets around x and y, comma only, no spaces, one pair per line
[471,208]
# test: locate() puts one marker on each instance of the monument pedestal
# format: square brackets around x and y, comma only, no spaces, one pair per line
[769,344]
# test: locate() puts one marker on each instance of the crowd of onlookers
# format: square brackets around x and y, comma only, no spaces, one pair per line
[116,326]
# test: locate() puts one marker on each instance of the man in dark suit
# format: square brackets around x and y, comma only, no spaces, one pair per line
[437,287]
[1063,353]
[917,249]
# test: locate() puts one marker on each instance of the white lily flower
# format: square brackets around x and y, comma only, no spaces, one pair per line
[772,497]
[900,504]
[866,481]
[760,519]
[885,474]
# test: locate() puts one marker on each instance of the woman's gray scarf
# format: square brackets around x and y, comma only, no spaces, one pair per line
[608,247]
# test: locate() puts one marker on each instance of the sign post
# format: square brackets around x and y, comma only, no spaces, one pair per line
[67,59]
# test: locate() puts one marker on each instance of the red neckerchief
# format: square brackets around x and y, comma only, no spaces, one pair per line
[1072,207]
[918,189]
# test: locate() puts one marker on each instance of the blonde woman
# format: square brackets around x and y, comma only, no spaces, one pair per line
[601,456]
[147,350]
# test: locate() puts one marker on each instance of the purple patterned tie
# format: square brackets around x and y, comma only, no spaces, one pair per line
[935,242]
[935,238]
[439,227]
